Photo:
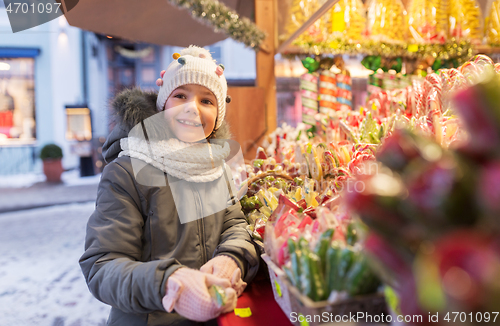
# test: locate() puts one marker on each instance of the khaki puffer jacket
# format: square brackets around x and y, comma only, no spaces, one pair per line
[135,239]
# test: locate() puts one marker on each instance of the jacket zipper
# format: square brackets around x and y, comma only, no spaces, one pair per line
[201,230]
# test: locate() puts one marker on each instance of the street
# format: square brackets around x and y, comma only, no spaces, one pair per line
[41,283]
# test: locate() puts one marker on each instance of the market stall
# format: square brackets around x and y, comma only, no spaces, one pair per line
[388,209]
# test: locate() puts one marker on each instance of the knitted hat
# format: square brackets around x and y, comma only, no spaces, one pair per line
[194,65]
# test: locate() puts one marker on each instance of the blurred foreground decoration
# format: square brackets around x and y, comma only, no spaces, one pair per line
[434,214]
[172,22]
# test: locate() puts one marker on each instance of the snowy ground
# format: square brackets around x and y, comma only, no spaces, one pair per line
[70,178]
[40,280]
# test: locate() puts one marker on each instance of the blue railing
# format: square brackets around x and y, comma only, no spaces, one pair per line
[17,159]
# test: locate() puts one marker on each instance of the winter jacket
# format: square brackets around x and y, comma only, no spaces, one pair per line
[135,239]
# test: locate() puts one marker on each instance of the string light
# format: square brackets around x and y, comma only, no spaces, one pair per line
[223,20]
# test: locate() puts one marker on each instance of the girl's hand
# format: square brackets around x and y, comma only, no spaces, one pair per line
[225,267]
[188,293]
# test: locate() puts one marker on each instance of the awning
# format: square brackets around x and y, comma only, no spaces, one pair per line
[149,21]
[19,52]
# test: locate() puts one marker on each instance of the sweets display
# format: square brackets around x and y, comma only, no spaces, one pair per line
[309,97]
[299,12]
[445,225]
[344,93]
[492,24]
[309,169]
[347,19]
[328,93]
[387,21]
[320,257]
[465,20]
[428,21]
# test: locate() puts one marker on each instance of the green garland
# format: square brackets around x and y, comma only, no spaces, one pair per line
[223,20]
[450,50]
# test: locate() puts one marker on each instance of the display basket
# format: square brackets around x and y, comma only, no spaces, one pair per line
[280,288]
[292,301]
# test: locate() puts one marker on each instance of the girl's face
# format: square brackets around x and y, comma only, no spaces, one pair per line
[191,112]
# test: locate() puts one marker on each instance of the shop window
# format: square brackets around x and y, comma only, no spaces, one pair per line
[148,75]
[17,102]
[79,126]
[216,52]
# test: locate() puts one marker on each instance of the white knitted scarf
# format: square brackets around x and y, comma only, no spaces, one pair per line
[193,162]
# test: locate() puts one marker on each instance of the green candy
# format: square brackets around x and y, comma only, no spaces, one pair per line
[351,234]
[295,255]
[332,262]
[310,64]
[217,293]
[317,278]
[322,247]
[361,279]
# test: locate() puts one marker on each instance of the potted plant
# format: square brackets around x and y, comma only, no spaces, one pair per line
[51,155]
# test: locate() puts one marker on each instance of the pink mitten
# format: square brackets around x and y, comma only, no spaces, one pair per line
[225,267]
[188,293]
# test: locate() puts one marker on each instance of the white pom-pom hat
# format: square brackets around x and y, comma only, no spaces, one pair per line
[194,65]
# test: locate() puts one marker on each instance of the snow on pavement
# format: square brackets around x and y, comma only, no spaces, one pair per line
[69,178]
[40,280]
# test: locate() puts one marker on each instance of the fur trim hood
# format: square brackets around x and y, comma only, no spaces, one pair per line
[130,107]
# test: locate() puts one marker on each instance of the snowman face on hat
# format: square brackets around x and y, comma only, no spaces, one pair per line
[191,112]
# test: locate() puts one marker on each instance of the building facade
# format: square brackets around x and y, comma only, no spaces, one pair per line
[56,83]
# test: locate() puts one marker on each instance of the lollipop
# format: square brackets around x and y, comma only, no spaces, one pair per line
[432,91]
[471,72]
[418,92]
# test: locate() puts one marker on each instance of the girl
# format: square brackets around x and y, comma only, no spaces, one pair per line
[159,237]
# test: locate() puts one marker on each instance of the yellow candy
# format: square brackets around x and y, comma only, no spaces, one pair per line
[298,194]
[273,190]
[311,199]
[263,198]
[428,20]
[316,170]
[387,20]
[493,24]
[300,11]
[465,20]
[176,56]
[347,19]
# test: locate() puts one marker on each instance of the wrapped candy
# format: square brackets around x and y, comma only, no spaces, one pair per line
[309,96]
[465,20]
[387,20]
[328,93]
[428,21]
[300,11]
[347,19]
[493,24]
[474,69]
[344,93]
[452,81]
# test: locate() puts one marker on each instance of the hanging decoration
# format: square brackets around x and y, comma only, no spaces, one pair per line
[132,54]
[452,49]
[223,20]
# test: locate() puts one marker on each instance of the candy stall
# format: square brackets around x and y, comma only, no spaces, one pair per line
[389,208]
